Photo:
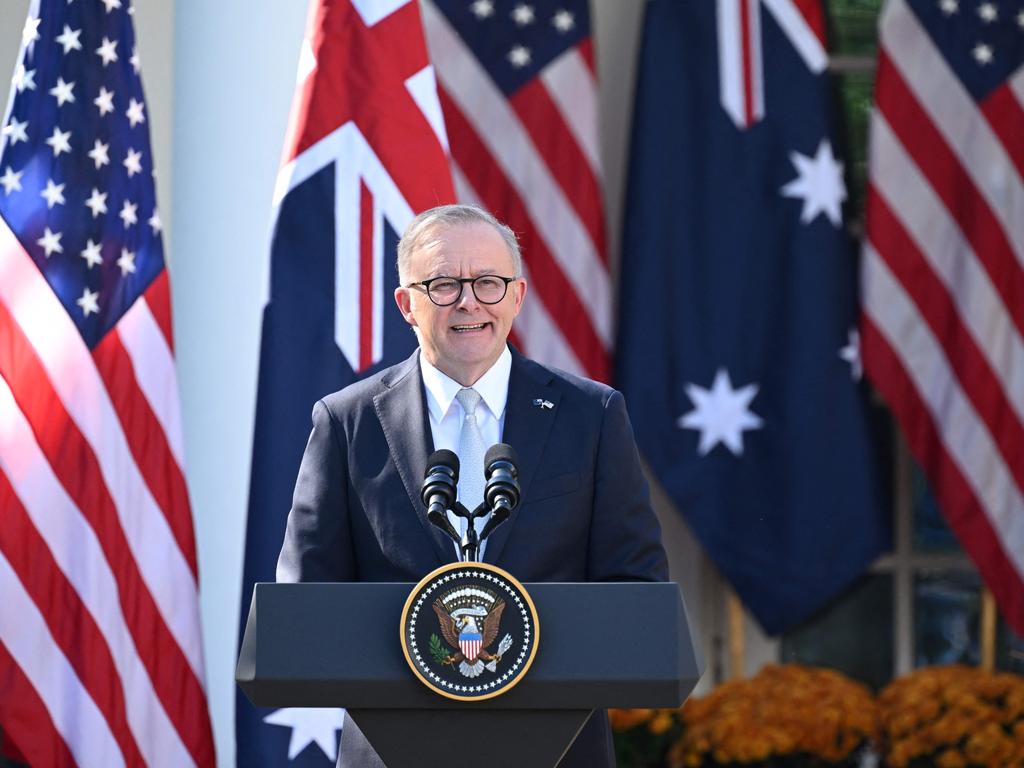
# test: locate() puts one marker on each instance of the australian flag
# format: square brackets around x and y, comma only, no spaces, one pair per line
[363,155]
[738,351]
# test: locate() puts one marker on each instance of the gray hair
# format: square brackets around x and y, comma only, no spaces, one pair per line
[424,225]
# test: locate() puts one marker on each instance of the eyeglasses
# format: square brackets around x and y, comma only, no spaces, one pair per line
[445,291]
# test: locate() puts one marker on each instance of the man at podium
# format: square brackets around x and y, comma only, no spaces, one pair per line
[585,512]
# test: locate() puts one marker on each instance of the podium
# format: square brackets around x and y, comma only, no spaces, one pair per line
[626,644]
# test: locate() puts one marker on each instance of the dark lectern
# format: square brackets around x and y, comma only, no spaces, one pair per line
[337,645]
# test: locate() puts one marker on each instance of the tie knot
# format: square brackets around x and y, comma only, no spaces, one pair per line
[469,399]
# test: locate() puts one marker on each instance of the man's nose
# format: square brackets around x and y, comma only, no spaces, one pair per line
[467,300]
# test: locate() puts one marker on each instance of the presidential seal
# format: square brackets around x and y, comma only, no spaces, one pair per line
[469,631]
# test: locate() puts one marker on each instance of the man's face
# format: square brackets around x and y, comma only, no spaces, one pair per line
[465,339]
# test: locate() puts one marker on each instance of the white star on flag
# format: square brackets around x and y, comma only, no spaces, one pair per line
[523,14]
[310,726]
[50,242]
[105,101]
[107,50]
[154,222]
[63,92]
[563,21]
[16,131]
[30,32]
[89,302]
[819,183]
[134,112]
[128,213]
[11,180]
[53,194]
[91,254]
[97,202]
[60,141]
[519,56]
[133,162]
[24,78]
[69,39]
[126,262]
[720,413]
[851,354]
[482,8]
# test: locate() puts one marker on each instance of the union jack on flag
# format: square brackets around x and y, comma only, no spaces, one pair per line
[518,90]
[100,654]
[943,267]
[365,152]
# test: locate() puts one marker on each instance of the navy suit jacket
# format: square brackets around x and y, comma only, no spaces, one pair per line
[584,515]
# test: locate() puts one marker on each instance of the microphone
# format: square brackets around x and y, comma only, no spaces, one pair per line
[501,493]
[440,487]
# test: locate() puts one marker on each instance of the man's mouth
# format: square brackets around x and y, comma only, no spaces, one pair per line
[466,328]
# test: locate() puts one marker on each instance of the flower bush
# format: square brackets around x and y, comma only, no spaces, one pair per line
[644,736]
[953,717]
[785,716]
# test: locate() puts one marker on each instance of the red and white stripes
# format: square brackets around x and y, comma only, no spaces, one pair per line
[943,291]
[533,160]
[97,545]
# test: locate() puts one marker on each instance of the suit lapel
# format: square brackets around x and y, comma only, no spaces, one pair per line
[527,427]
[402,411]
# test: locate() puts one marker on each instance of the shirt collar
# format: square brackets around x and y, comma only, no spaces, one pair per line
[492,386]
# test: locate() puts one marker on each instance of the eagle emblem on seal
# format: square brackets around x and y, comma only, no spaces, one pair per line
[470,620]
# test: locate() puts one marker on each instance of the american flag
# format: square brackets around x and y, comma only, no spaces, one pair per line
[101,661]
[518,88]
[365,152]
[943,265]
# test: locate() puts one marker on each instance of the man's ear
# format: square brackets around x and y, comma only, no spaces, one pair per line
[403,299]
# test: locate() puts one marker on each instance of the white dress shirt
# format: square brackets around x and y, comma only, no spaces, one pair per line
[446,413]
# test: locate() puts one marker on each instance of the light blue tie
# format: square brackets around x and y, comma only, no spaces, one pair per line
[471,455]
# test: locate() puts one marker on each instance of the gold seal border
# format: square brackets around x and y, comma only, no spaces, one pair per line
[479,566]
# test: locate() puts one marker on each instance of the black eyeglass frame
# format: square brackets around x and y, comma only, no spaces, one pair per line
[425,285]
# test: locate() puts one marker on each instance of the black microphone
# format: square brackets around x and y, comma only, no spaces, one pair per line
[440,487]
[501,493]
